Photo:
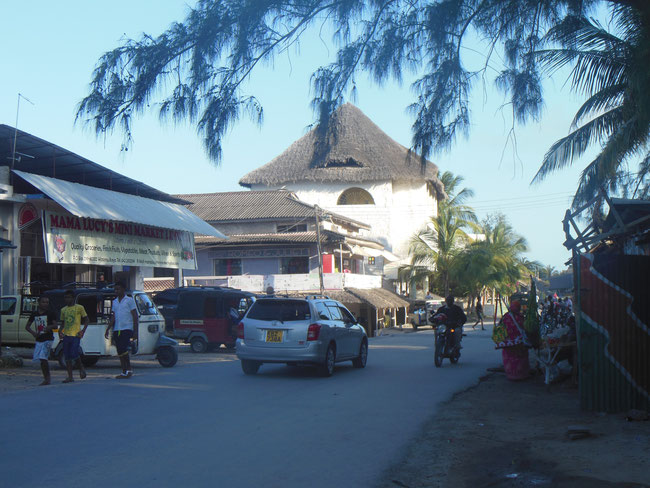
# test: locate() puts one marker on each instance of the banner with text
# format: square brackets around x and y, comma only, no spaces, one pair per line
[79,240]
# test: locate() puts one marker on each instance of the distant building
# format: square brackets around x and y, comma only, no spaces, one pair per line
[272,232]
[360,172]
[271,245]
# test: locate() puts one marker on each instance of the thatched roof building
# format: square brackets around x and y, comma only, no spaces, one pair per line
[352,149]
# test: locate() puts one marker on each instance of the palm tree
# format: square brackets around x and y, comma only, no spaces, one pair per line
[495,262]
[533,266]
[548,271]
[610,68]
[434,247]
[457,197]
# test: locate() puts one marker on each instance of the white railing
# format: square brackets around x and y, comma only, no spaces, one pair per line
[289,282]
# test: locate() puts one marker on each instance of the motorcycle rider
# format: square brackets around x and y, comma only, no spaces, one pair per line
[455,318]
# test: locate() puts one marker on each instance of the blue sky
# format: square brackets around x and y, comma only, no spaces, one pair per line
[50,49]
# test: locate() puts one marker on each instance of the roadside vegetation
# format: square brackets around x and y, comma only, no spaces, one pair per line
[461,255]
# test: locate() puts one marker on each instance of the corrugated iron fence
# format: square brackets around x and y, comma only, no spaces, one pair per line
[613,298]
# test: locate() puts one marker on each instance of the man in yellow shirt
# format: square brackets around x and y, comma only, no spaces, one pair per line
[70,332]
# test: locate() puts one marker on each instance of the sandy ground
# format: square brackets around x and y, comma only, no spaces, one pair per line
[29,375]
[505,434]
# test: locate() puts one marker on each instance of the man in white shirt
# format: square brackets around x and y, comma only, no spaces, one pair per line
[124,322]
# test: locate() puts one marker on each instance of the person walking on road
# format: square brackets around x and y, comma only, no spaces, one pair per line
[45,322]
[479,314]
[72,317]
[124,322]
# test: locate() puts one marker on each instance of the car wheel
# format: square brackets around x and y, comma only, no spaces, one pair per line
[327,368]
[89,360]
[360,361]
[250,367]
[167,356]
[198,345]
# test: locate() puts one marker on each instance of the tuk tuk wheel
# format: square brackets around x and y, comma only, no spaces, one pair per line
[89,360]
[198,345]
[167,356]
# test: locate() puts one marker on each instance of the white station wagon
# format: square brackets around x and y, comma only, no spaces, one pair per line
[314,330]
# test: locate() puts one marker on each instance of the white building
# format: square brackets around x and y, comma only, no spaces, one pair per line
[358,171]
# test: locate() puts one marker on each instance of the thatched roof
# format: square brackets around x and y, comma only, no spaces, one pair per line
[380,297]
[352,148]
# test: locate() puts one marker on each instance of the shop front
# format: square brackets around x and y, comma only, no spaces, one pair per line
[72,234]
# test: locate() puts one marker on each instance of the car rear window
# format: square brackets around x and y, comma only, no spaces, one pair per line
[282,310]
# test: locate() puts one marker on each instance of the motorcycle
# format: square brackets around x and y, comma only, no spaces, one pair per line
[445,344]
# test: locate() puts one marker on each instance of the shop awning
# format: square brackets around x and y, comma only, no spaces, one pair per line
[98,203]
[6,244]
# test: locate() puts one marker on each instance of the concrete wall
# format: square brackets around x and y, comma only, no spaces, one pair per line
[303,282]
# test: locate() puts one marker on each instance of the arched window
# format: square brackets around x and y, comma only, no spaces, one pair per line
[355,196]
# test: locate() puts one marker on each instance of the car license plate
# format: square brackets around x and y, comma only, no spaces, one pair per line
[273,336]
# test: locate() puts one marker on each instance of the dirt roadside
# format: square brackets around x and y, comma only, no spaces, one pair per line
[506,434]
[29,375]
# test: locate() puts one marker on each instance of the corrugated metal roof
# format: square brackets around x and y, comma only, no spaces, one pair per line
[561,282]
[97,203]
[38,156]
[153,285]
[239,239]
[255,205]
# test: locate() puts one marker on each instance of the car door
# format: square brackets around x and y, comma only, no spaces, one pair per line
[353,330]
[340,331]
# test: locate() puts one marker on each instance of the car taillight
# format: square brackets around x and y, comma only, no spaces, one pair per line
[240,330]
[313,332]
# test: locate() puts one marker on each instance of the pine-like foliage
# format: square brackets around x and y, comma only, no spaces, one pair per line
[195,70]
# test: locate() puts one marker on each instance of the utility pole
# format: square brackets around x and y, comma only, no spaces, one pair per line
[320,250]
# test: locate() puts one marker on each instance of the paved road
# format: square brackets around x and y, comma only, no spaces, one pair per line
[206,424]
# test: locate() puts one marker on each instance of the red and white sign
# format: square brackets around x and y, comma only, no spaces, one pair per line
[28,214]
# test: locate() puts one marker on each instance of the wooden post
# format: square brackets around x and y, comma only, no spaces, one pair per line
[320,251]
